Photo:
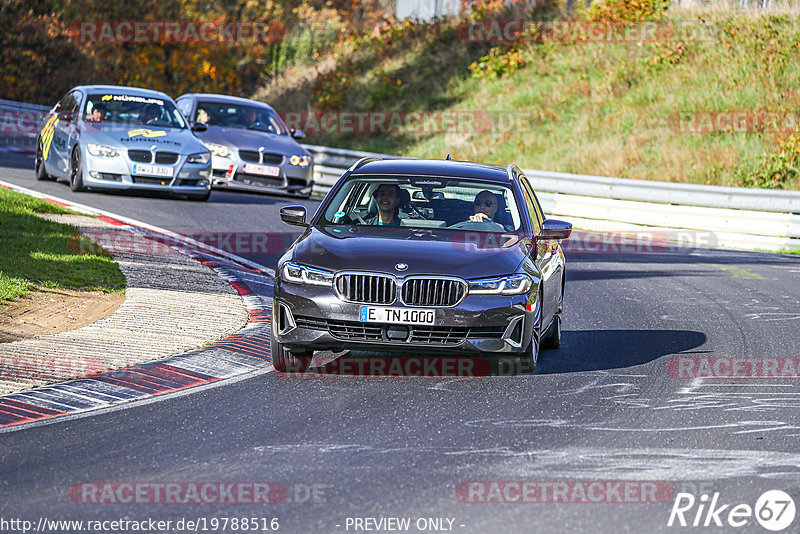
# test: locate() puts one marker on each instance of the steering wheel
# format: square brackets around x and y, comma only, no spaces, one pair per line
[486,226]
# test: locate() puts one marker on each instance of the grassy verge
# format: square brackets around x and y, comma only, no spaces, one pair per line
[623,109]
[35,252]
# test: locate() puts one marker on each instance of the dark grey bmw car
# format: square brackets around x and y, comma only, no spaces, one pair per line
[413,256]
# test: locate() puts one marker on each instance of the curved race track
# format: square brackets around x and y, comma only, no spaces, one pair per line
[601,408]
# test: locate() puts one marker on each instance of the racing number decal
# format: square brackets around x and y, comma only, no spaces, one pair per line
[146,133]
[47,134]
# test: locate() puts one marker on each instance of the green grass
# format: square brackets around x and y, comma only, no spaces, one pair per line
[606,109]
[35,252]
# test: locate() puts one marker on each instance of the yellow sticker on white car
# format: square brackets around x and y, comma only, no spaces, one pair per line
[47,134]
[146,133]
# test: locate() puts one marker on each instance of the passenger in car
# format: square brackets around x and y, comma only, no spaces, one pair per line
[387,197]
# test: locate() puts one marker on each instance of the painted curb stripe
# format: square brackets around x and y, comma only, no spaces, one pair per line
[243,352]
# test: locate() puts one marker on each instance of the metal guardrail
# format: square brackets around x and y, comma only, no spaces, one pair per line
[19,124]
[737,217]
[727,216]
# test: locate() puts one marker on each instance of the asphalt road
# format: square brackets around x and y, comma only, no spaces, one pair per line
[601,408]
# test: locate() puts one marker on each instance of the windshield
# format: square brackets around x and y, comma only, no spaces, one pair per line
[424,202]
[133,109]
[239,116]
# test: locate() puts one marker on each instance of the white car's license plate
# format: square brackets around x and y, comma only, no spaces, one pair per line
[264,170]
[376,314]
[152,170]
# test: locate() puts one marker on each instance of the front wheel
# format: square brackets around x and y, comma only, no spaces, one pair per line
[530,356]
[41,172]
[286,361]
[76,171]
[553,338]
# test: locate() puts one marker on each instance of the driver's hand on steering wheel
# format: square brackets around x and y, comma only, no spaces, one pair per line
[480,217]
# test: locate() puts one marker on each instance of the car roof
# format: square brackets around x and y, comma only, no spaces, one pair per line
[435,167]
[211,97]
[133,91]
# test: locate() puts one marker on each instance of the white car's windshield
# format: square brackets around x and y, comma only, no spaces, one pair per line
[424,202]
[239,116]
[132,109]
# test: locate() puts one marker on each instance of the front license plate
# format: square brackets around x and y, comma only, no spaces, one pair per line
[264,170]
[152,170]
[375,314]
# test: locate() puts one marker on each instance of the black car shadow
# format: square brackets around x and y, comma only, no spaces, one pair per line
[593,350]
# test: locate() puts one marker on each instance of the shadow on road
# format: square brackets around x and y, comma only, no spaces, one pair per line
[592,350]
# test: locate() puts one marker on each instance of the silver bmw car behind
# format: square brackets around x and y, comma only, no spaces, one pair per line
[252,148]
[115,137]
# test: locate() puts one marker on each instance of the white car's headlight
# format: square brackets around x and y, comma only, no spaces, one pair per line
[200,157]
[103,151]
[300,161]
[516,284]
[301,274]
[218,150]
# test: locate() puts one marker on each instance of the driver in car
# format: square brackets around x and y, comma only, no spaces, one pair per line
[485,207]
[388,199]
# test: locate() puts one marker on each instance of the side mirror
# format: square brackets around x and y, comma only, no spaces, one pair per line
[555,229]
[199,127]
[294,215]
[65,116]
[297,134]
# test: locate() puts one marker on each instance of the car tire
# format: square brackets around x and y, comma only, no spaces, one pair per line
[203,197]
[529,358]
[286,361]
[39,167]
[553,338]
[76,171]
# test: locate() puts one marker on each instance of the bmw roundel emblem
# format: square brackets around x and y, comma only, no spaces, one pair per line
[401,266]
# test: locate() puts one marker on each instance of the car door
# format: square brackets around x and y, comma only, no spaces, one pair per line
[64,131]
[547,257]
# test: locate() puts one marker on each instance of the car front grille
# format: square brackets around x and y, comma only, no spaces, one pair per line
[250,156]
[433,291]
[274,159]
[366,288]
[167,158]
[140,156]
[375,332]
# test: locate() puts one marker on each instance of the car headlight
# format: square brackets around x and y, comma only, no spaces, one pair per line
[200,157]
[516,284]
[300,161]
[104,151]
[218,150]
[300,274]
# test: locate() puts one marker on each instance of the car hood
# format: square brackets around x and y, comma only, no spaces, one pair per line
[144,138]
[251,140]
[429,252]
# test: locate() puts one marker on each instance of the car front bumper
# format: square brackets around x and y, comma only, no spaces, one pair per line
[227,174]
[307,317]
[117,173]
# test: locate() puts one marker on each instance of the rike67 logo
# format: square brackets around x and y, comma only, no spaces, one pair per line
[774,510]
